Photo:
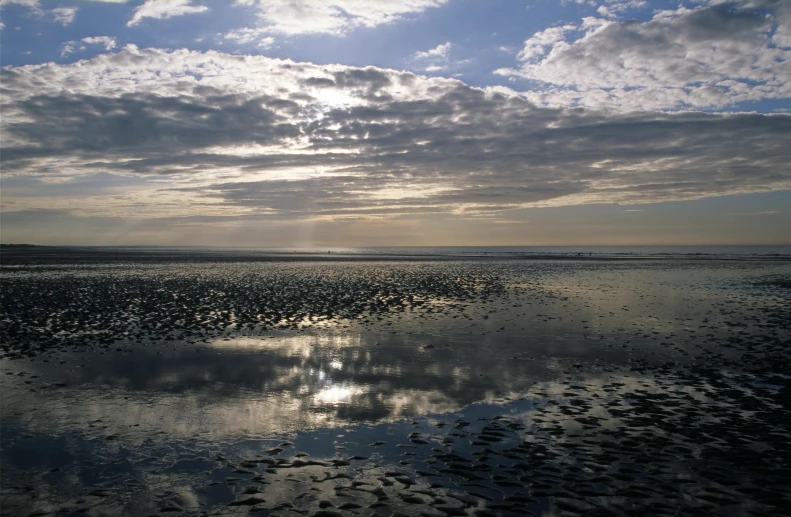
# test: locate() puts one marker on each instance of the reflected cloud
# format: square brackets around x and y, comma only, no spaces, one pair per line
[232,388]
[260,387]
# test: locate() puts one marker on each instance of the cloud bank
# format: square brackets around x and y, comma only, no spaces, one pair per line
[192,134]
[710,56]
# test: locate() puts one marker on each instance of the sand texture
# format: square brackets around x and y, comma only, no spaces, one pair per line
[234,385]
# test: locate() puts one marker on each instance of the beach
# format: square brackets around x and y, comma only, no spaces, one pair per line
[433,382]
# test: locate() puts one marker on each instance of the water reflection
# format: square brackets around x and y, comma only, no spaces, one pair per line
[235,387]
[259,387]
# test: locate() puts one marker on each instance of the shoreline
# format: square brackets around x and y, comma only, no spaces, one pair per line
[22,255]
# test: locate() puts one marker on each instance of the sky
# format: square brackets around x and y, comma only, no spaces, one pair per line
[396,122]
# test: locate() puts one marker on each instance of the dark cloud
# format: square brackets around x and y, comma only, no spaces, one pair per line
[90,123]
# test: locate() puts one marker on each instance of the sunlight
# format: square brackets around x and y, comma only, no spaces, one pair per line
[337,394]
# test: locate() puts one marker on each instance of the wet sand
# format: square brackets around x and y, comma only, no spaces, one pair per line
[482,386]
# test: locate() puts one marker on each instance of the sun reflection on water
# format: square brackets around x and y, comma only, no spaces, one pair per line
[337,394]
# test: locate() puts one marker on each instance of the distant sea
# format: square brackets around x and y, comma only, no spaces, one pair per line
[726,251]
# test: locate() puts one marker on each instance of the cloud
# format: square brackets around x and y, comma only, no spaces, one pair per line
[332,16]
[707,57]
[161,9]
[64,15]
[29,3]
[616,8]
[436,59]
[610,5]
[782,29]
[541,42]
[35,3]
[213,133]
[70,47]
[248,36]
[750,214]
[440,51]
[107,41]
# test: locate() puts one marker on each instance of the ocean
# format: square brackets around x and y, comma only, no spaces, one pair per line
[722,252]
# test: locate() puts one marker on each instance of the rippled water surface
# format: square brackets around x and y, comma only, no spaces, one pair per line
[446,387]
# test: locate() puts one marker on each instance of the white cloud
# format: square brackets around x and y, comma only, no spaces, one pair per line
[107,41]
[616,8]
[70,47]
[64,15]
[67,48]
[34,3]
[436,59]
[161,9]
[706,57]
[333,16]
[440,51]
[605,11]
[611,6]
[266,42]
[247,36]
[782,29]
[542,42]
[20,2]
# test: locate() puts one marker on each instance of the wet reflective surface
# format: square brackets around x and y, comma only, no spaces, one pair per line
[443,388]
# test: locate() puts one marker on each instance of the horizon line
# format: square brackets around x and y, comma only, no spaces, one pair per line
[21,244]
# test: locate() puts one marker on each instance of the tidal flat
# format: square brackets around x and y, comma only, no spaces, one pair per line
[235,384]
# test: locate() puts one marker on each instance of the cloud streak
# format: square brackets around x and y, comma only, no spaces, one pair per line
[337,17]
